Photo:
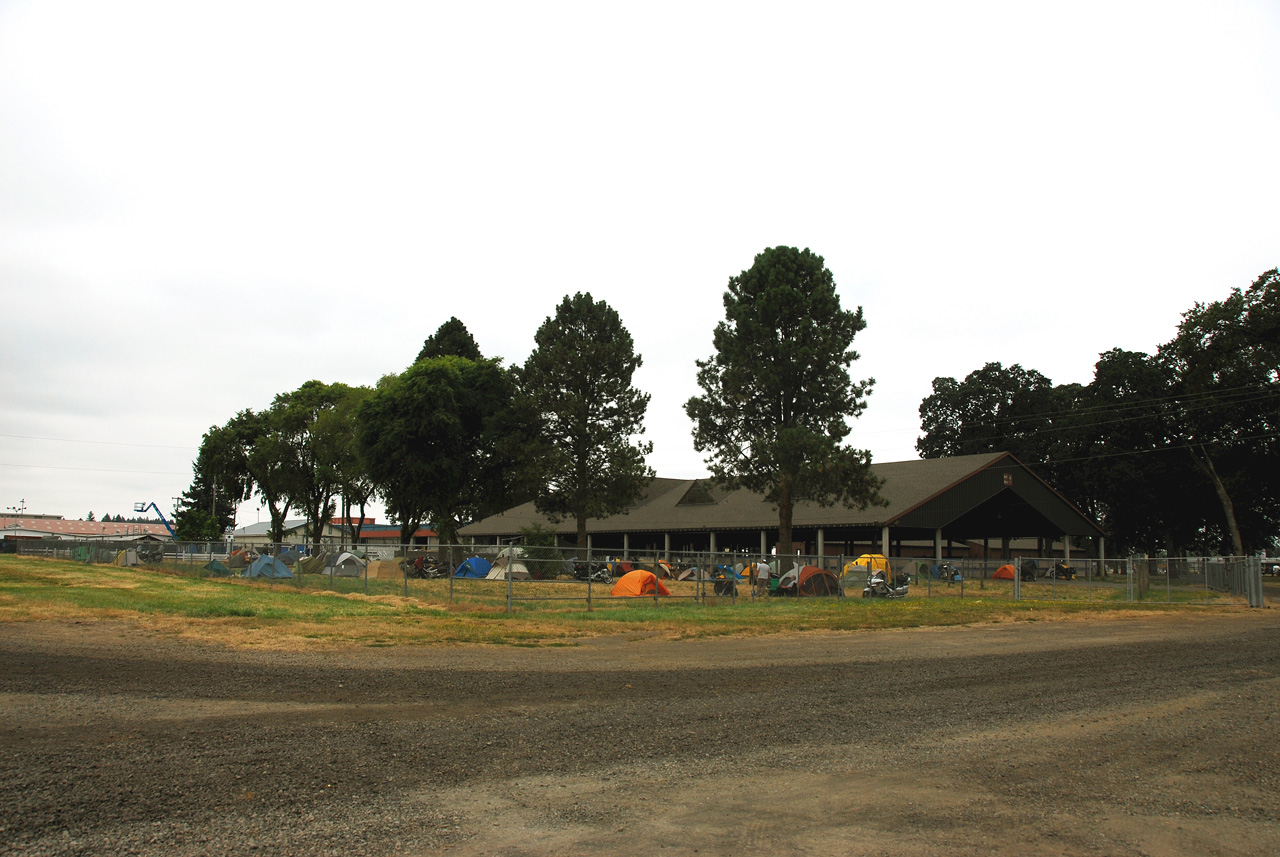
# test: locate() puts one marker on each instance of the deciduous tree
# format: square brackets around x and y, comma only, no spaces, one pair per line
[431,439]
[1226,359]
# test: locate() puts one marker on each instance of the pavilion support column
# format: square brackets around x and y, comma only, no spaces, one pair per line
[822,544]
[764,543]
[1066,548]
[884,540]
[713,542]
[1102,556]
[937,545]
[666,545]
[626,546]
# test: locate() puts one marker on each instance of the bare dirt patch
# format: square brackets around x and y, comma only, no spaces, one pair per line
[1144,735]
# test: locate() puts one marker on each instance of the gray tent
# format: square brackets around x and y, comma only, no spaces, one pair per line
[268,566]
[347,564]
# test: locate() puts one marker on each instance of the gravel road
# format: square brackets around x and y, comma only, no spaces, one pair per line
[1143,736]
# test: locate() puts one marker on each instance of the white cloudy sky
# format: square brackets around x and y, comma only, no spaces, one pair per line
[205,204]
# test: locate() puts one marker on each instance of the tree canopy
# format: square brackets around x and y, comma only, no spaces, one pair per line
[577,385]
[777,397]
[992,409]
[219,484]
[451,339]
[1172,451]
[1226,361]
[433,440]
[303,425]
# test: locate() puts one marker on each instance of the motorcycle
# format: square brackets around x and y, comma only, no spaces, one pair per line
[427,567]
[878,585]
[596,572]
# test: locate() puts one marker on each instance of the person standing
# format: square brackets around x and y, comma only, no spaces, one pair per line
[762,578]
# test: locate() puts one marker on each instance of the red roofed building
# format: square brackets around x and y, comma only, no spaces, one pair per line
[56,527]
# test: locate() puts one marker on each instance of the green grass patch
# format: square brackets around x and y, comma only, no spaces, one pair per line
[306,611]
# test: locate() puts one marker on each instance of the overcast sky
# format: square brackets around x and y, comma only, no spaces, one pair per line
[206,204]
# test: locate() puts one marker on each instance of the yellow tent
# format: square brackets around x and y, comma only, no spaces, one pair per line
[870,561]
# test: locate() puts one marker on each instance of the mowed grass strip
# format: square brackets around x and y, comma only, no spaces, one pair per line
[302,612]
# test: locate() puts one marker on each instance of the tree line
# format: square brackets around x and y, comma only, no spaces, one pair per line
[1176,451]
[457,436]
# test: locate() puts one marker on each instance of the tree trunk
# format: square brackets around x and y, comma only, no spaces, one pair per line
[355,537]
[785,508]
[277,522]
[582,536]
[1228,508]
[407,529]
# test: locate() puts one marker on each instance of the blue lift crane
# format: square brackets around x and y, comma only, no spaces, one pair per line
[142,507]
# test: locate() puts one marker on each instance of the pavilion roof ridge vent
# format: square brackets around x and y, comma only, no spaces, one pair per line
[696,494]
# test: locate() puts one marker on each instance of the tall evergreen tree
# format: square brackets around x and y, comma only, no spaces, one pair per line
[219,484]
[451,339]
[578,382]
[777,397]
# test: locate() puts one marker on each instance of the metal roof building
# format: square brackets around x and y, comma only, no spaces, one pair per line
[966,499]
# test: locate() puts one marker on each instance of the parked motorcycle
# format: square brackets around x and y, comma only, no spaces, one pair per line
[596,572]
[427,567]
[878,585]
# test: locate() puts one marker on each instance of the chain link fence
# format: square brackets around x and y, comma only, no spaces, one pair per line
[516,576]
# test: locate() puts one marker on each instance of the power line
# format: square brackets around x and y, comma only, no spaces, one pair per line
[93,469]
[1228,395]
[99,442]
[1143,407]
[1178,448]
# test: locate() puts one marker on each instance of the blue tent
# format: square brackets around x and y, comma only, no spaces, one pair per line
[268,566]
[476,566]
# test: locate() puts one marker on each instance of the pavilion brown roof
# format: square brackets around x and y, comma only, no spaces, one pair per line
[675,505]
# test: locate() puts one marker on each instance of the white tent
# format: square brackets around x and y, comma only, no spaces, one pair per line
[499,571]
[347,564]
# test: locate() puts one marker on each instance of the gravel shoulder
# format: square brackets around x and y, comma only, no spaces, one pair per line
[1149,735]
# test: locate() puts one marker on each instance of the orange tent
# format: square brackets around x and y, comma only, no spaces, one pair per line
[1004,572]
[817,581]
[639,583]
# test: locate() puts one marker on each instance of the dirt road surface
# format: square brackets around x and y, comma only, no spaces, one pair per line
[1134,736]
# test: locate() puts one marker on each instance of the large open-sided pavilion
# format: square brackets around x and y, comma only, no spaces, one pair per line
[974,505]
